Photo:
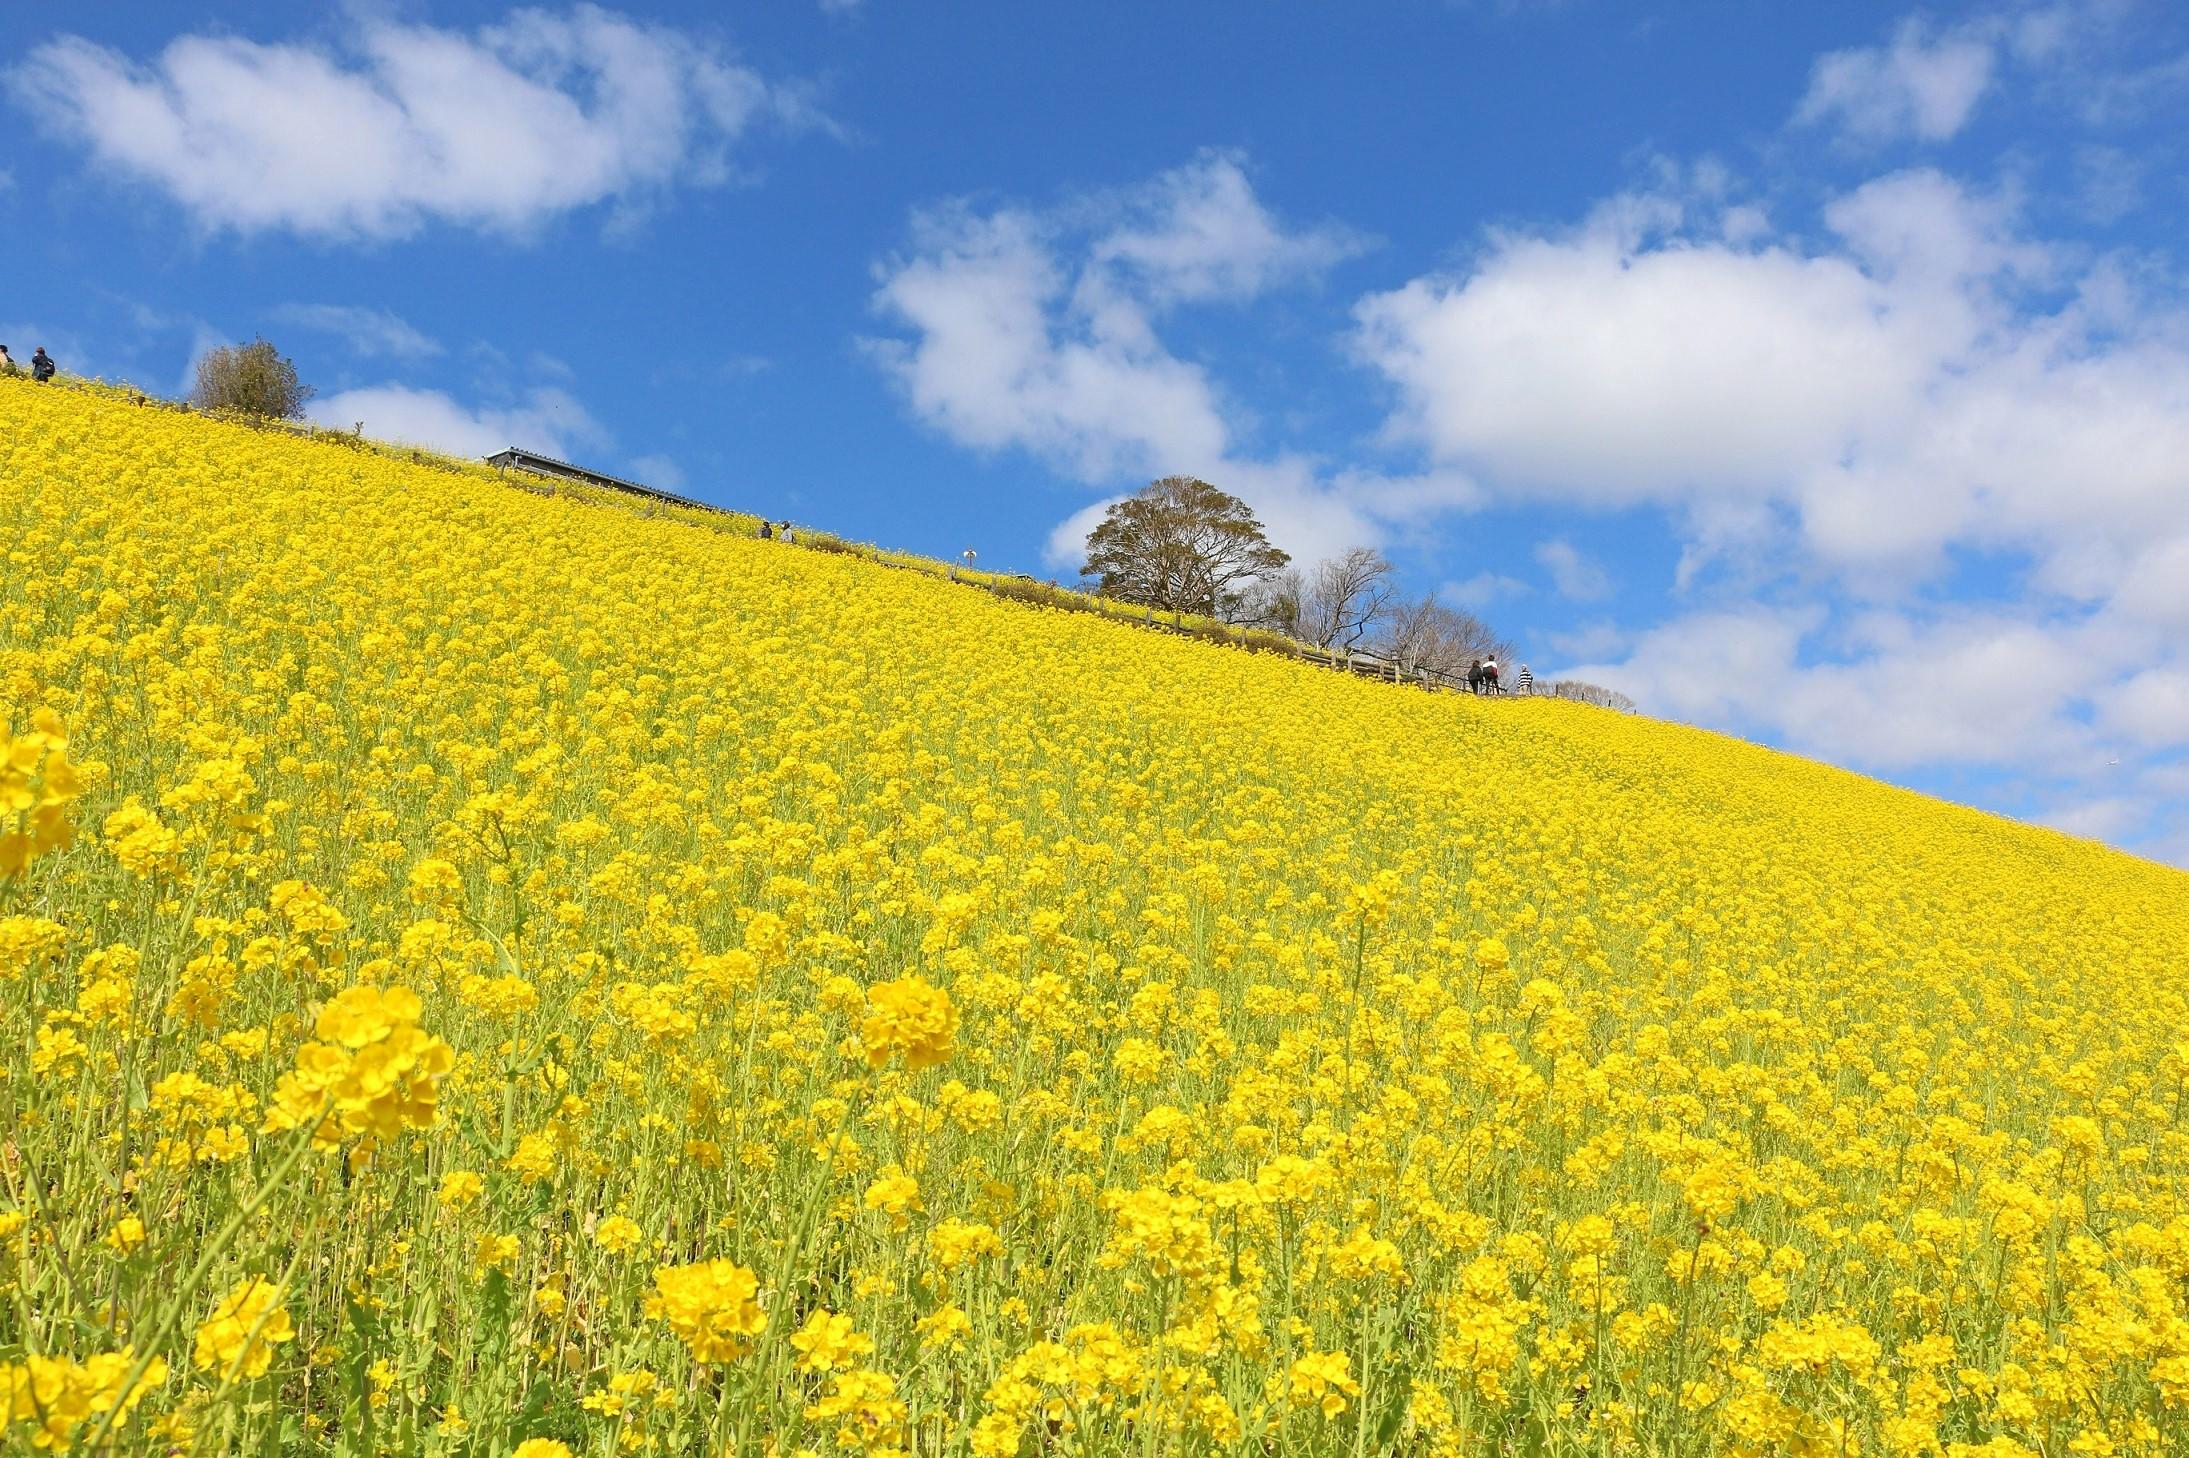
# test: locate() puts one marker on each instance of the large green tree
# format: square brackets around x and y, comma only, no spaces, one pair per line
[1181,545]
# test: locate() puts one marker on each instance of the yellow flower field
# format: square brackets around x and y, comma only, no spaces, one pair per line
[488,974]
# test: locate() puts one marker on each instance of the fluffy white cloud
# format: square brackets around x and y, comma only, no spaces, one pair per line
[1925,379]
[547,420]
[1002,357]
[1919,85]
[1199,232]
[1610,367]
[370,333]
[1037,330]
[498,128]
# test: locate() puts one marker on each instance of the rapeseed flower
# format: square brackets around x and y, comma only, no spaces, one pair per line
[373,1072]
[911,1018]
[56,1398]
[713,1306]
[237,1341]
[828,1342]
[37,784]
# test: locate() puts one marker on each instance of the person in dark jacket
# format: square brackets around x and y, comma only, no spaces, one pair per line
[41,365]
[767,531]
[1474,676]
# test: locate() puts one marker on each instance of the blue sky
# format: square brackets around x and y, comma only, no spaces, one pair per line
[1820,374]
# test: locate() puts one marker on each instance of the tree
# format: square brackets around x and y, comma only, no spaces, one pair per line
[1427,634]
[1591,693]
[1274,602]
[253,379]
[1342,598]
[1181,545]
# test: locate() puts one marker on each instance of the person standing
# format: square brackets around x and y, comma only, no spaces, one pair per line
[767,530]
[7,362]
[1489,675]
[1524,681]
[41,365]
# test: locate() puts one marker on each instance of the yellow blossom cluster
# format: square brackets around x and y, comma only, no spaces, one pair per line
[712,1305]
[237,1341]
[773,1003]
[47,1402]
[36,785]
[374,1070]
[908,1017]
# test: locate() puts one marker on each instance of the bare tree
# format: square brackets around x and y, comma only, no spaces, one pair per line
[1591,693]
[1429,635]
[1343,598]
[1182,545]
[1275,602]
[255,379]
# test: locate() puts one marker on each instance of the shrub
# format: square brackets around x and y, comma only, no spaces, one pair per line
[252,379]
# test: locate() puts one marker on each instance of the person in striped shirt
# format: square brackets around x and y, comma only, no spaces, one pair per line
[1524,681]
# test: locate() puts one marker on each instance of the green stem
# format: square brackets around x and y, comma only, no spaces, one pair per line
[213,1251]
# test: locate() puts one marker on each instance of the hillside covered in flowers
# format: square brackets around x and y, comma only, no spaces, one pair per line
[486,973]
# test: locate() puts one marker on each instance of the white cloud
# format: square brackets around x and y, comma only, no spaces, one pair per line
[500,128]
[1925,379]
[1964,689]
[1038,331]
[2104,818]
[1199,232]
[370,333]
[1066,547]
[1920,86]
[1000,358]
[547,420]
[1607,368]
[2154,587]
[1574,575]
[2151,707]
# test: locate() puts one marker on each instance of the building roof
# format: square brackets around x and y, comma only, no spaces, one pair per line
[517,458]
